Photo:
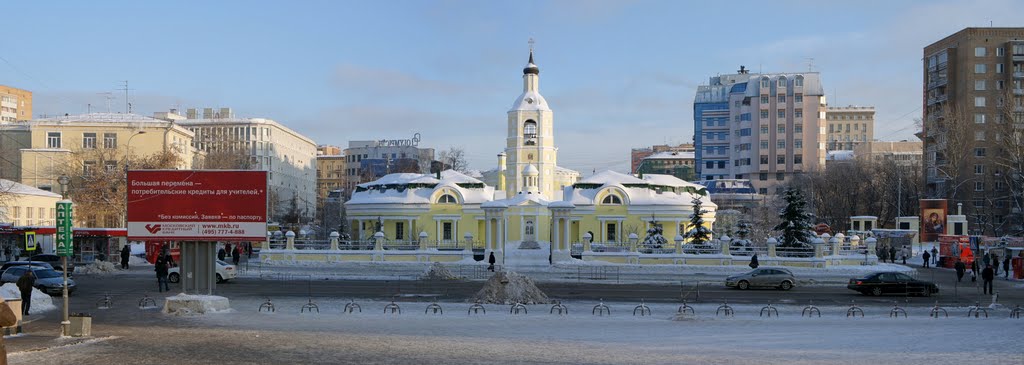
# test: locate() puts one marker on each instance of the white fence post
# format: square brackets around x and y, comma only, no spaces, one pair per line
[334,240]
[290,240]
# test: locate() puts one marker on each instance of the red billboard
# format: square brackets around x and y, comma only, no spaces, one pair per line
[933,219]
[197,205]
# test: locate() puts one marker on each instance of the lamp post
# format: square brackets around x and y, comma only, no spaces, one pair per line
[64,181]
[127,163]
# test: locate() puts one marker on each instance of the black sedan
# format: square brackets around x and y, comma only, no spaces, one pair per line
[892,283]
[54,261]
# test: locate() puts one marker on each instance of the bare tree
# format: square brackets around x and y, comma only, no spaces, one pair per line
[227,160]
[955,141]
[1008,182]
[455,158]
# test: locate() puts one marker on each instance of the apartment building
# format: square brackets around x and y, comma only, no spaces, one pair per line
[849,126]
[15,104]
[330,171]
[370,160]
[903,153]
[637,155]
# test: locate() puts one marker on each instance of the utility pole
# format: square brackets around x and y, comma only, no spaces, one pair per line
[127,105]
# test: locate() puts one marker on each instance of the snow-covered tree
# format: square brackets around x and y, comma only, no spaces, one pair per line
[654,238]
[698,233]
[796,222]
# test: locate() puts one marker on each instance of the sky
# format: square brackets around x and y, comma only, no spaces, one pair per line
[617,74]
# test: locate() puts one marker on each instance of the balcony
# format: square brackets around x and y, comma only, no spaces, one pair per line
[936,82]
[936,99]
[1018,91]
[1018,74]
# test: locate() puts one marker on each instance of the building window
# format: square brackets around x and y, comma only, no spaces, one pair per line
[798,128]
[110,140]
[979,51]
[979,169]
[979,85]
[798,82]
[782,113]
[764,99]
[1000,51]
[782,82]
[610,232]
[709,164]
[978,203]
[782,98]
[798,98]
[53,140]
[780,176]
[979,101]
[765,82]
[88,168]
[612,200]
[110,166]
[781,129]
[530,133]
[798,143]
[763,176]
[979,186]
[979,118]
[446,229]
[798,113]
[764,145]
[764,130]
[764,159]
[780,159]
[999,68]
[399,230]
[780,144]
[447,199]
[999,84]
[798,159]
[979,152]
[979,135]
[764,114]
[979,68]
[762,191]
[89,140]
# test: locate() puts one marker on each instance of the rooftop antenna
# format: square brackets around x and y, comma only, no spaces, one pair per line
[109,96]
[810,64]
[127,105]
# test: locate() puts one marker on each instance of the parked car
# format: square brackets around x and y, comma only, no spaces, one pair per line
[11,264]
[225,272]
[892,283]
[765,277]
[48,281]
[54,261]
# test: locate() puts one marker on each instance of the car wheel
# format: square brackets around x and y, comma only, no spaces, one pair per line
[876,291]
[786,285]
[174,277]
[220,279]
[743,285]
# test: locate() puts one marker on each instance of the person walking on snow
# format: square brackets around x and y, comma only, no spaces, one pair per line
[987,276]
[221,253]
[926,256]
[1006,267]
[491,261]
[995,264]
[161,274]
[753,262]
[26,283]
[892,254]
[960,270]
[935,256]
[236,255]
[904,252]
[126,252]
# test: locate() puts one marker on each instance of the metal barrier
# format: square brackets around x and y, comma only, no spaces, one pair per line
[106,302]
[516,308]
[562,310]
[393,308]
[476,308]
[147,302]
[768,309]
[268,305]
[810,310]
[854,310]
[310,306]
[436,308]
[686,309]
[934,313]
[604,272]
[896,311]
[725,310]
[351,307]
[977,310]
[1015,313]
[643,308]
[601,310]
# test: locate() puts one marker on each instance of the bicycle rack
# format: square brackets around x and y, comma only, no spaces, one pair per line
[1015,313]
[936,310]
[106,303]
[643,308]
[562,310]
[310,306]
[769,310]
[896,311]
[476,308]
[351,307]
[436,308]
[268,305]
[854,311]
[686,309]
[601,310]
[516,308]
[393,308]
[977,310]
[147,302]
[810,310]
[723,309]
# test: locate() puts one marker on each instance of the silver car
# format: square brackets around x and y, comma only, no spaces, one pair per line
[768,277]
[47,280]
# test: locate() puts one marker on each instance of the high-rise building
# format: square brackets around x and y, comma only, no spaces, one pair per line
[330,171]
[763,127]
[370,160]
[15,104]
[974,83]
[849,126]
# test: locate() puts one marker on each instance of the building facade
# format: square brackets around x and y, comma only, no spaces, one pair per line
[330,172]
[636,155]
[904,153]
[366,161]
[766,128]
[973,87]
[849,126]
[23,205]
[675,163]
[15,104]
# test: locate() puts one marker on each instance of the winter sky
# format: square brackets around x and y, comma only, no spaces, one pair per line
[618,74]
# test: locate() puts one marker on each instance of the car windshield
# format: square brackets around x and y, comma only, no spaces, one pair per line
[46,274]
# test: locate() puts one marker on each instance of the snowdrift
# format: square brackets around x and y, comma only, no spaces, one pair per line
[41,302]
[436,271]
[510,287]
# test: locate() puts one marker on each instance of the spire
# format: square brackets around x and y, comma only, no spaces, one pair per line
[531,68]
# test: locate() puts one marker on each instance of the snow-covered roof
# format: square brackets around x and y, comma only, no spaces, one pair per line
[669,180]
[530,100]
[8,186]
[523,198]
[671,155]
[104,118]
[611,177]
[653,189]
[840,155]
[411,188]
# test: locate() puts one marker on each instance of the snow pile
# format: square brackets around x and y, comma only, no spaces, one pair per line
[135,260]
[436,271]
[41,302]
[98,267]
[187,305]
[510,287]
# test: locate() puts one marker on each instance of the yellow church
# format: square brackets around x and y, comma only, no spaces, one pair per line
[526,211]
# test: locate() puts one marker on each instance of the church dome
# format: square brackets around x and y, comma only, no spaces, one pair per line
[530,170]
[531,68]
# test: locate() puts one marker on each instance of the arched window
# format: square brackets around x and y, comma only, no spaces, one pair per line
[764,81]
[782,81]
[799,81]
[612,200]
[529,133]
[529,228]
[447,199]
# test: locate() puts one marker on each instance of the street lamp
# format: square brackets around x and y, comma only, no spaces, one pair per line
[127,162]
[63,180]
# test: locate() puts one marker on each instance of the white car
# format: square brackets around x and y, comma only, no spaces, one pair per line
[225,272]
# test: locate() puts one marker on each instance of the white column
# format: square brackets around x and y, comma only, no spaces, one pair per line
[556,244]
[568,234]
[487,234]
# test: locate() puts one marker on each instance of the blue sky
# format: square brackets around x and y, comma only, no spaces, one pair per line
[618,74]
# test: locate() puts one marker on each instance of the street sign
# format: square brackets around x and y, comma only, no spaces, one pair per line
[64,237]
[30,241]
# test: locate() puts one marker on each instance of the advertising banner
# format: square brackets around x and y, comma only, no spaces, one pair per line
[933,219]
[65,239]
[197,205]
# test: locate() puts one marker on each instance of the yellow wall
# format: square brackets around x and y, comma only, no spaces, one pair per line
[24,209]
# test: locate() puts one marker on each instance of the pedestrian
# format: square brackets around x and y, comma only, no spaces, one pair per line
[491,260]
[974,275]
[1006,267]
[986,260]
[935,256]
[927,258]
[26,283]
[236,255]
[7,253]
[221,254]
[904,252]
[987,275]
[227,248]
[161,274]
[7,319]
[995,264]
[753,262]
[960,270]
[248,250]
[126,252]
[892,254]
[883,254]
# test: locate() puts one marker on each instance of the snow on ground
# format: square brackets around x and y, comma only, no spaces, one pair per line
[136,260]
[41,302]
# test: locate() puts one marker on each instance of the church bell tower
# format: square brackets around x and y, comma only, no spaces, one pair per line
[530,139]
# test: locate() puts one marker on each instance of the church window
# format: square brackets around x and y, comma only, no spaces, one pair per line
[530,133]
[447,199]
[529,228]
[612,200]
[610,233]
[446,229]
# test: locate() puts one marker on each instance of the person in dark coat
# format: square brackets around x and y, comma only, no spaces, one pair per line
[221,254]
[892,254]
[1006,267]
[26,282]
[753,262]
[935,256]
[236,255]
[926,256]
[491,260]
[126,252]
[960,270]
[995,264]
[882,254]
[987,275]
[161,274]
